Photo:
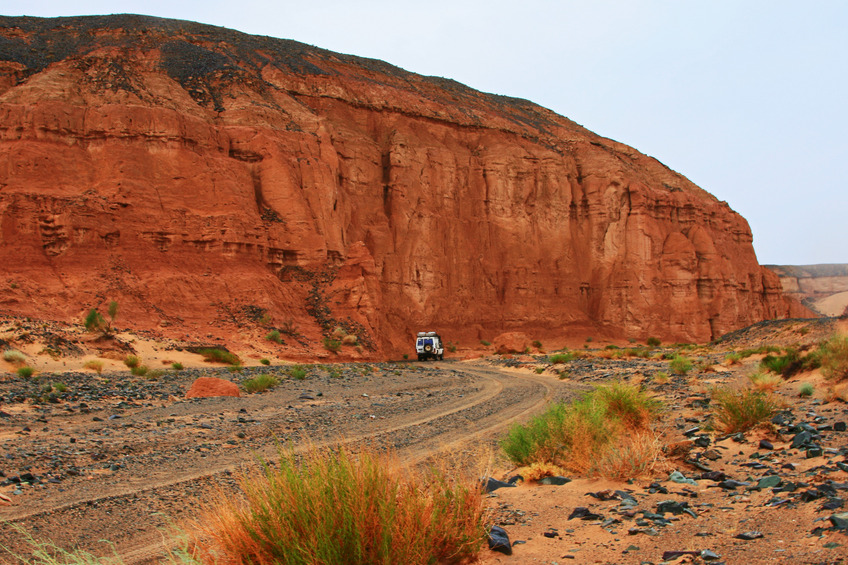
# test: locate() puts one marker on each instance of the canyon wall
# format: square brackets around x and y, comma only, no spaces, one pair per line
[207,179]
[821,288]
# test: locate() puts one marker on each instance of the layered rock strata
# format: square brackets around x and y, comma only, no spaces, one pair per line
[222,183]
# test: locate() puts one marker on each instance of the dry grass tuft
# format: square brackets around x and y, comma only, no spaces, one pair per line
[591,436]
[765,382]
[739,410]
[540,470]
[339,508]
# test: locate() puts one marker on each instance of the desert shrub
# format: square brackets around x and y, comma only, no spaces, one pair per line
[177,366]
[332,345]
[332,507]
[452,347]
[132,361]
[265,361]
[680,364]
[350,339]
[540,370]
[578,436]
[154,374]
[94,321]
[25,372]
[739,410]
[537,344]
[60,387]
[806,389]
[14,357]
[661,378]
[653,342]
[766,382]
[540,470]
[94,365]
[611,346]
[39,552]
[834,358]
[235,368]
[485,343]
[734,359]
[559,358]
[260,383]
[274,335]
[216,355]
[779,363]
[297,372]
[139,370]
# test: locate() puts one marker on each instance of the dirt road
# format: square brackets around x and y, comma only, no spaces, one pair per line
[123,463]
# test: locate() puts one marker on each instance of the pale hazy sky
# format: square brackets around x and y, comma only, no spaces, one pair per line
[746,98]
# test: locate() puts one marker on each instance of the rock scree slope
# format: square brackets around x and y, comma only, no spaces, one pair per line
[206,178]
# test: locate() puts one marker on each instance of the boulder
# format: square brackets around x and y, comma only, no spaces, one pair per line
[205,387]
[511,342]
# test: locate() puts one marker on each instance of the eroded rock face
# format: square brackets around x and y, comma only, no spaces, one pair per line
[821,288]
[198,176]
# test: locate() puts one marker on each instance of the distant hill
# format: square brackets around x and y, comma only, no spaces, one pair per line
[821,288]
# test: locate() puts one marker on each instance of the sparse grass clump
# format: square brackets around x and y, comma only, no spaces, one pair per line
[537,344]
[653,342]
[592,435]
[216,355]
[540,370]
[661,378]
[739,410]
[834,358]
[560,358]
[350,339]
[485,343]
[778,364]
[177,366]
[132,361]
[14,357]
[332,507]
[297,372]
[94,365]
[275,336]
[765,382]
[680,364]
[806,389]
[25,372]
[260,383]
[332,345]
[139,370]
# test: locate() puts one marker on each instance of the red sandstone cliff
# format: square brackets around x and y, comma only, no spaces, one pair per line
[201,176]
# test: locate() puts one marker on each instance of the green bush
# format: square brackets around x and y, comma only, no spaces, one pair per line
[177,366]
[60,387]
[154,374]
[297,372]
[332,345]
[653,342]
[265,361]
[25,372]
[485,343]
[537,344]
[806,389]
[139,370]
[216,355]
[579,436]
[330,507]
[274,336]
[680,364]
[779,364]
[559,358]
[235,368]
[132,361]
[260,383]
[739,410]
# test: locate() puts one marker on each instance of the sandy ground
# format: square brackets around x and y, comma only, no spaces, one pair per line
[119,457]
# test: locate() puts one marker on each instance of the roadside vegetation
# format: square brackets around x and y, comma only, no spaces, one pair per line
[334,507]
[260,383]
[609,433]
[741,409]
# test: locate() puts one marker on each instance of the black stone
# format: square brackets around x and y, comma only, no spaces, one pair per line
[764,444]
[499,540]
[556,481]
[747,536]
[494,484]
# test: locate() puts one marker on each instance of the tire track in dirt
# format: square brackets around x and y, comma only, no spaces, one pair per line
[123,513]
